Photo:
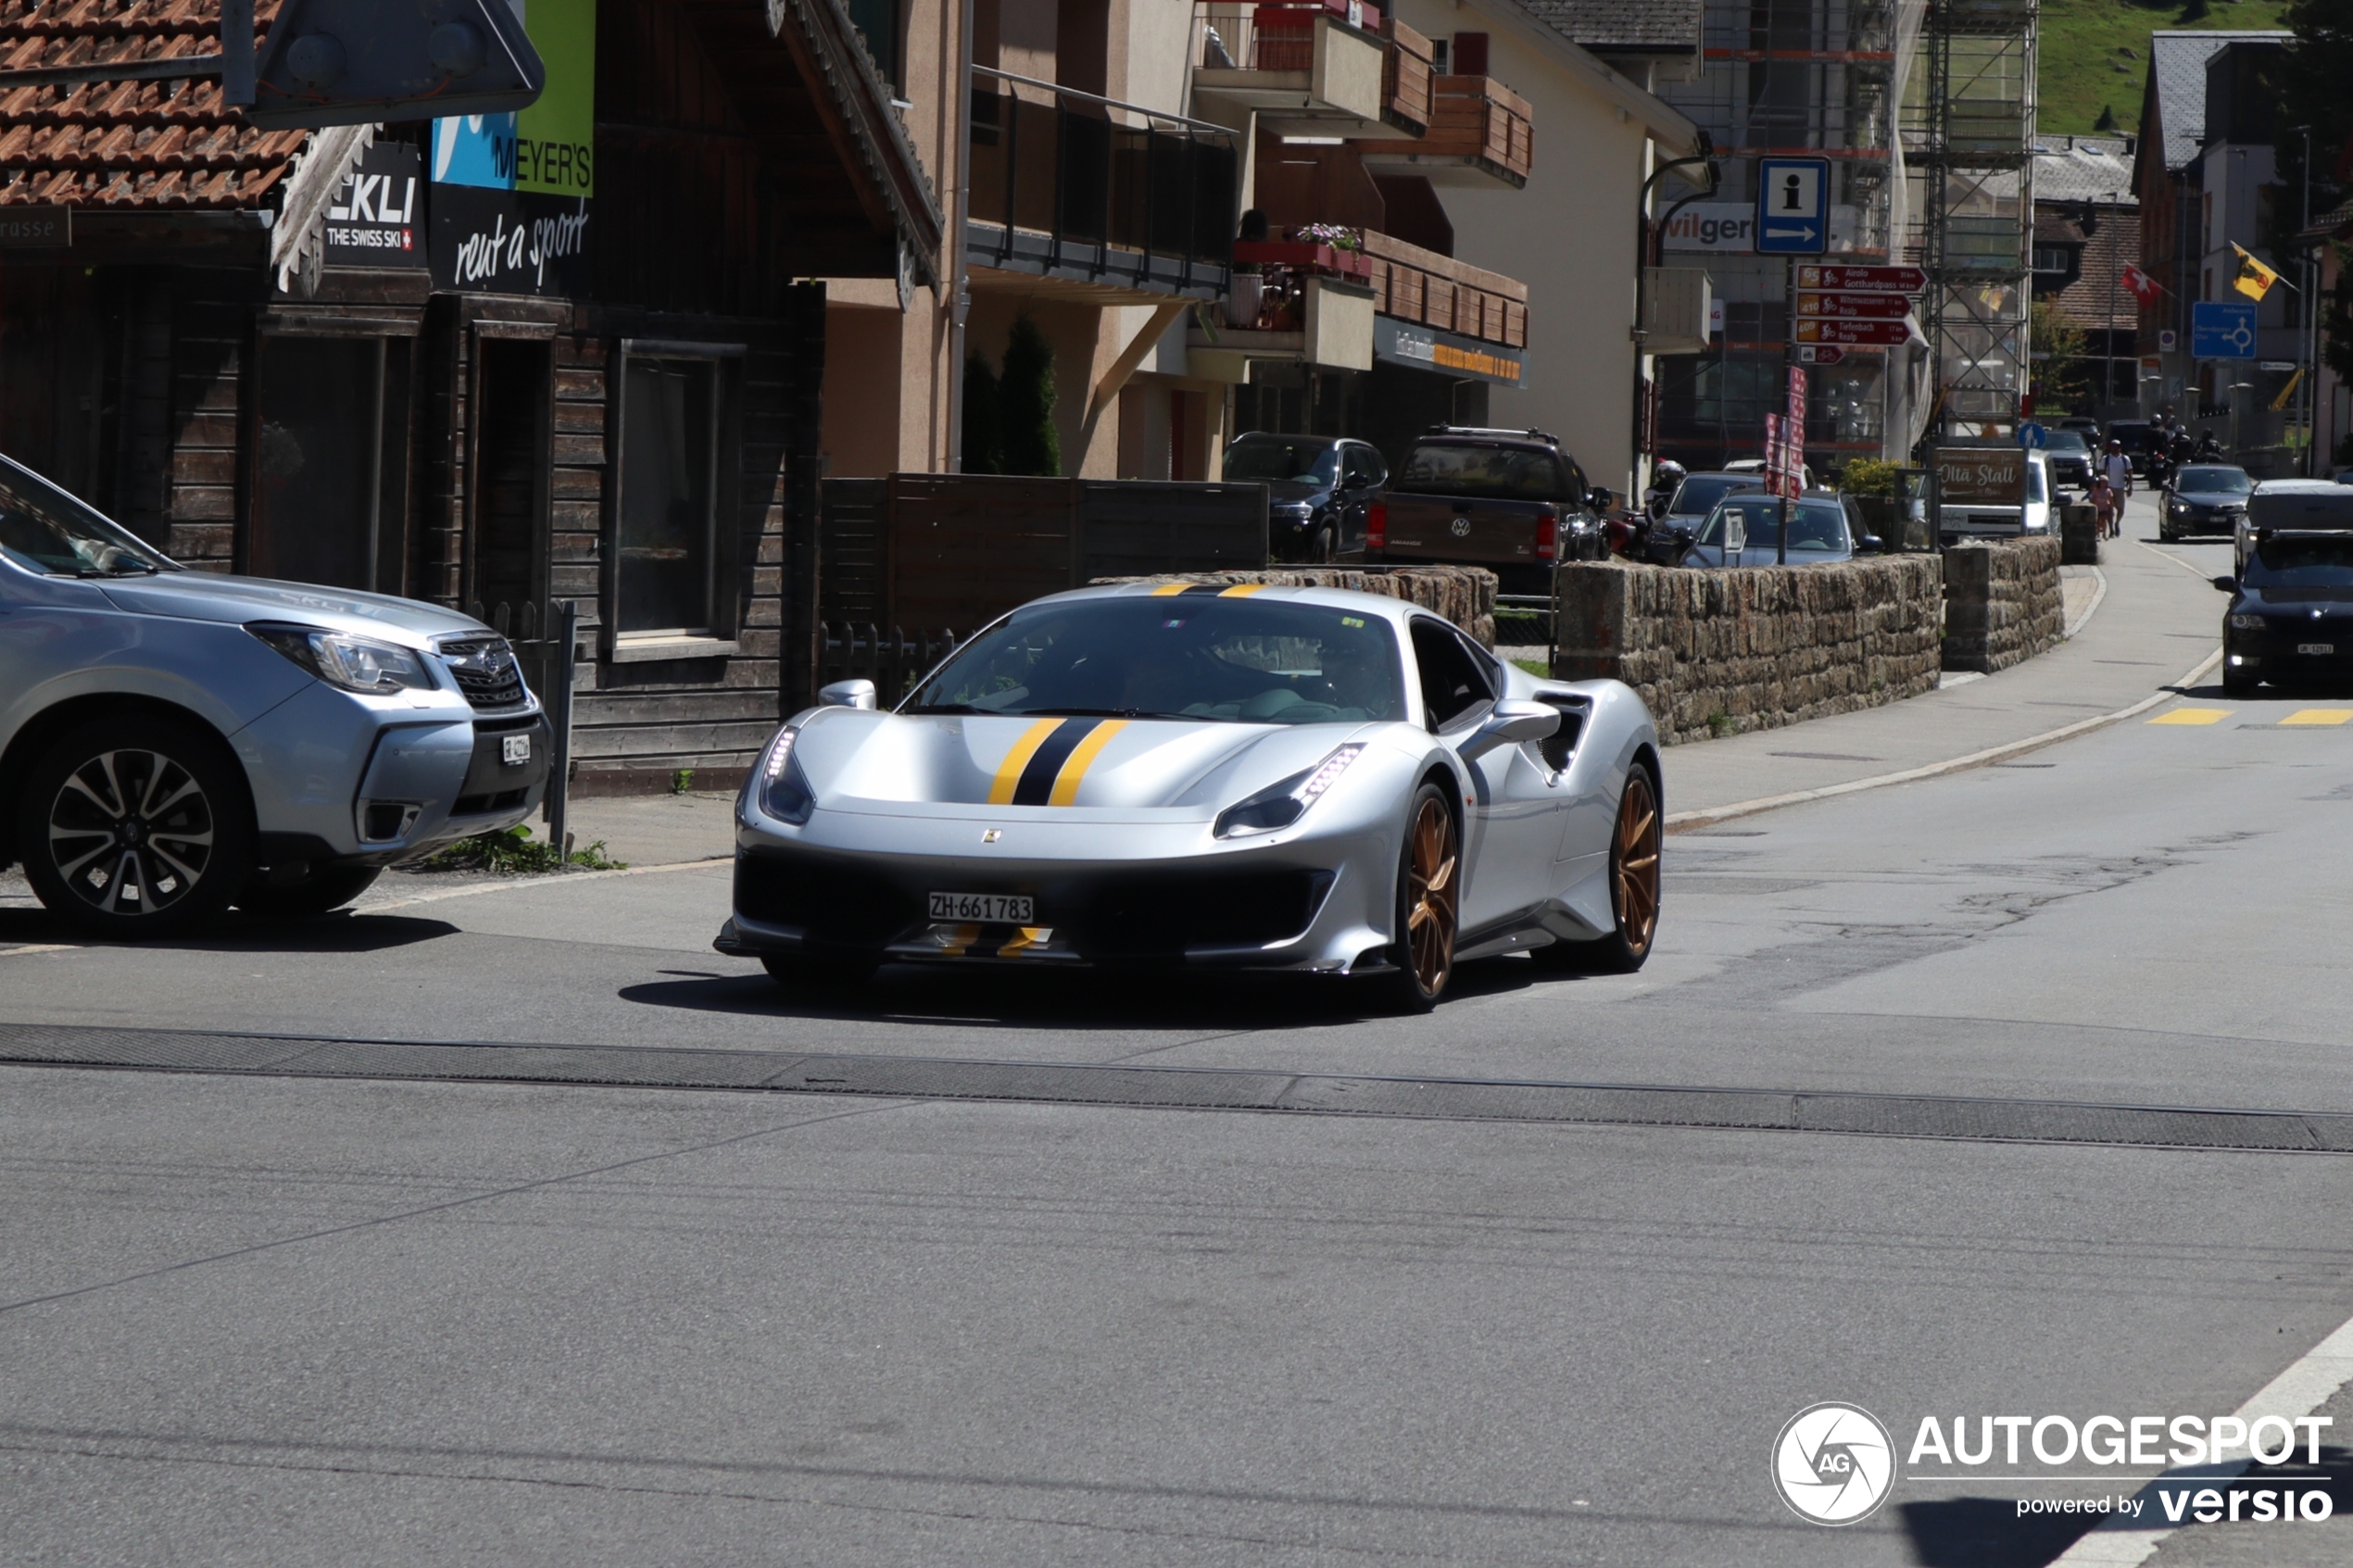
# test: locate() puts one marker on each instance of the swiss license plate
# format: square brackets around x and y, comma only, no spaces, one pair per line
[514,748]
[987,908]
[2316,648]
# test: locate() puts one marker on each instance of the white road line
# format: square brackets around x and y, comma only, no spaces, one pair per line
[1702,816]
[564,880]
[2307,1384]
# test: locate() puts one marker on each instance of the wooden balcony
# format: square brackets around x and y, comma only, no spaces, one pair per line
[1309,67]
[1439,291]
[1480,133]
[1407,76]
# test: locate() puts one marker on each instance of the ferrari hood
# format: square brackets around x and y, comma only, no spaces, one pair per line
[969,765]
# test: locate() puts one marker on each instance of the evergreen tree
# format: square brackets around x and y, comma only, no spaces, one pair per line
[2107,123]
[984,433]
[1025,402]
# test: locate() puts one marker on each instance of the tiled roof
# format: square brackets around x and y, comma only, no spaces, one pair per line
[2096,299]
[130,145]
[1623,26]
[2177,64]
[2083,169]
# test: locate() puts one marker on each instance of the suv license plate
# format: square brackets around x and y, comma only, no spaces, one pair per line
[987,908]
[2316,648]
[514,748]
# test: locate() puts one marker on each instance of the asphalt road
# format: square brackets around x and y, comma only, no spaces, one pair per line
[273,1318]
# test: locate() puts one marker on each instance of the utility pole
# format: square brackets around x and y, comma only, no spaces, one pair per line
[1788,481]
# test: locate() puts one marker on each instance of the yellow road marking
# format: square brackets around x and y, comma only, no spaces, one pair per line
[1242,591]
[1001,791]
[2319,716]
[2192,716]
[1082,757]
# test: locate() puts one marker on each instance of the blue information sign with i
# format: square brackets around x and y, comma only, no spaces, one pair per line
[1793,205]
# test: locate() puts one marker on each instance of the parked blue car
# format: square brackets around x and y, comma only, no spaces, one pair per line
[172,741]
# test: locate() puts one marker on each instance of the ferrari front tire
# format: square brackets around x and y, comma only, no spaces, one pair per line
[1429,878]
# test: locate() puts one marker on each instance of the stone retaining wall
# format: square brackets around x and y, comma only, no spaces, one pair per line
[1715,652]
[1464,594]
[2003,603]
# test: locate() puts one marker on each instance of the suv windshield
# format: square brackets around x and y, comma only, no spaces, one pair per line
[1177,656]
[2220,480]
[48,531]
[1697,495]
[1466,468]
[1274,459]
[2066,441]
[2300,563]
[1816,526]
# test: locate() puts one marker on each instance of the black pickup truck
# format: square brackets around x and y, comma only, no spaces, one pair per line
[1507,500]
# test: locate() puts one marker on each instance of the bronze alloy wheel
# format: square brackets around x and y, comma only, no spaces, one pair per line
[1429,899]
[1634,865]
[130,832]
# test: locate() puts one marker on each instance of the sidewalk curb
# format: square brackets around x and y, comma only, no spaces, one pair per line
[1678,821]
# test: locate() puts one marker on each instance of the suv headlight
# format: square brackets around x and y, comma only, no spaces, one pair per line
[1286,800]
[2245,623]
[784,789]
[356,664]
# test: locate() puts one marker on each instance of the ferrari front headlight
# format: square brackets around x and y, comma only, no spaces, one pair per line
[784,789]
[1286,800]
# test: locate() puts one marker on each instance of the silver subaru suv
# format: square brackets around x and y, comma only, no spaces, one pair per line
[172,741]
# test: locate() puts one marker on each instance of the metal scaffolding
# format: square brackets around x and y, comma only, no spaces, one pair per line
[1968,127]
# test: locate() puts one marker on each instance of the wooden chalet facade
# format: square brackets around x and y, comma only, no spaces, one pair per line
[271,353]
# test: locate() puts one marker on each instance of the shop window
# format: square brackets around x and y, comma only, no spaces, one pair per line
[671,555]
[329,462]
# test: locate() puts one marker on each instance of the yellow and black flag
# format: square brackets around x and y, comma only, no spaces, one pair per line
[2254,280]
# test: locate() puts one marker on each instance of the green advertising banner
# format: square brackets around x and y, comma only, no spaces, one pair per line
[510,192]
[554,137]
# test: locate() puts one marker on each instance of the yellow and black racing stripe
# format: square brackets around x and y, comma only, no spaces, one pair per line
[1050,760]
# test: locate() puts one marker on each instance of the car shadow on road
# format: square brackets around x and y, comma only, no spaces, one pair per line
[1072,1001]
[342,932]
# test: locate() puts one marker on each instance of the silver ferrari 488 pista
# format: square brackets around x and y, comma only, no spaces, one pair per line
[1251,777]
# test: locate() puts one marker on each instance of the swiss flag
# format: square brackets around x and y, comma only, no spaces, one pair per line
[2144,288]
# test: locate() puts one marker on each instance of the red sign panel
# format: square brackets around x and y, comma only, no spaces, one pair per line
[1875,280]
[1854,307]
[1880,334]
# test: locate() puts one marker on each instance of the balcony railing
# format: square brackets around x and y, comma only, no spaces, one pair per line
[1071,186]
[1430,290]
[1407,77]
[1479,132]
[1318,69]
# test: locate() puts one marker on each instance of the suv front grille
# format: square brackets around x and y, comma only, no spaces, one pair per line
[487,670]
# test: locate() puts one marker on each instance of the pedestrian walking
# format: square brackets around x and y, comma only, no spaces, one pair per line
[2117,469]
[2103,499]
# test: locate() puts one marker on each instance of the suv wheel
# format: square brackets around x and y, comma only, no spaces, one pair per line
[136,826]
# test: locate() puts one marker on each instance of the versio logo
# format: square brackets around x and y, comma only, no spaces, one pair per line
[1833,1462]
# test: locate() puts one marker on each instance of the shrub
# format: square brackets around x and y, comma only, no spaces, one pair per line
[1869,476]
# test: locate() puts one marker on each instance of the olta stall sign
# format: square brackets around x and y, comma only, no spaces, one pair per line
[510,192]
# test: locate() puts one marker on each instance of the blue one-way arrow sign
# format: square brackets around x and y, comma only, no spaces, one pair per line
[1793,205]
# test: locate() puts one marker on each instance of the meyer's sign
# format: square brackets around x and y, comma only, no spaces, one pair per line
[1992,476]
[510,192]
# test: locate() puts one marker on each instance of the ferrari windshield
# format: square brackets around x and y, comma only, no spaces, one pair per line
[43,528]
[1191,655]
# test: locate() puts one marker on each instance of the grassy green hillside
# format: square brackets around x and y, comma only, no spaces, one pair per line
[2085,66]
